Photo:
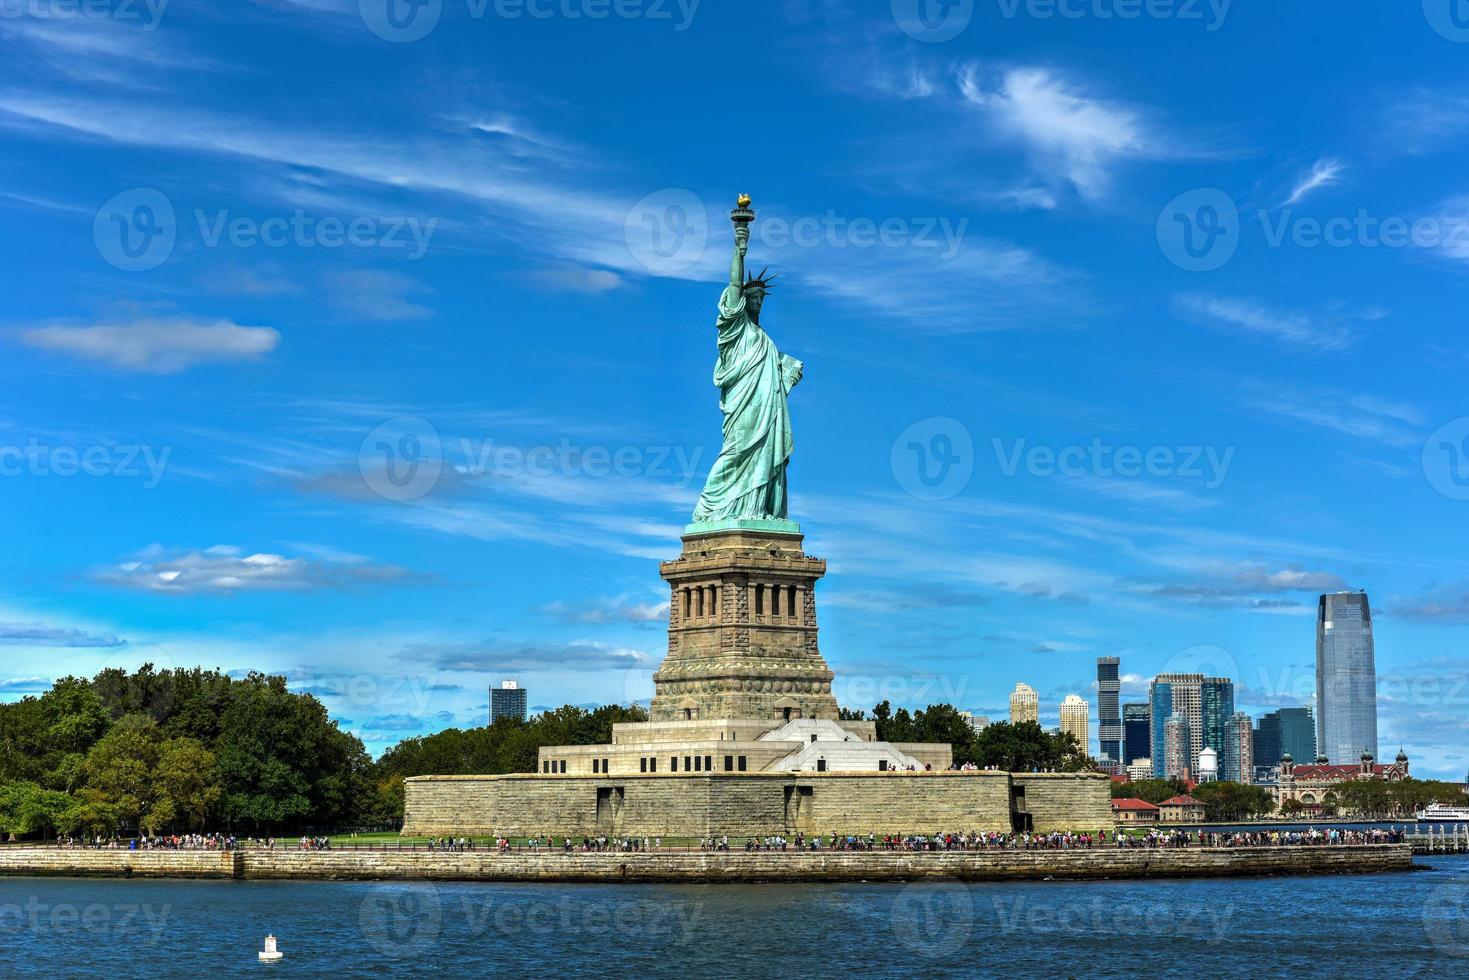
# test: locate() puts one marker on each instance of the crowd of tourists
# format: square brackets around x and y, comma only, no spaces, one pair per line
[1260,838]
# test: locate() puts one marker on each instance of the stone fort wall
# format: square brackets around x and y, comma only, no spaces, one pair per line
[744,804]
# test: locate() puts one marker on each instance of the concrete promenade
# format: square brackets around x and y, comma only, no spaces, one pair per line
[712,866]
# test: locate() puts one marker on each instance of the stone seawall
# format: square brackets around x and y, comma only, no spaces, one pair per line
[118,863]
[752,804]
[732,866]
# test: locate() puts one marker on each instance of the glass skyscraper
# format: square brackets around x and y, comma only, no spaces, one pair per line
[1346,678]
[1288,731]
[1137,742]
[1109,717]
[1216,707]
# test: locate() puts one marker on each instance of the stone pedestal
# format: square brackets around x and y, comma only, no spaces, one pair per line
[742,630]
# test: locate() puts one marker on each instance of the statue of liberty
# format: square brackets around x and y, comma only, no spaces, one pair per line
[748,479]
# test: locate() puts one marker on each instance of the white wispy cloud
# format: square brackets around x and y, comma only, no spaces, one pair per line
[228,569]
[1350,413]
[154,345]
[44,635]
[1424,120]
[1327,170]
[374,294]
[1322,332]
[1074,138]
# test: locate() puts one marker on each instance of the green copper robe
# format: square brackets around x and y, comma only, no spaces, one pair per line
[748,479]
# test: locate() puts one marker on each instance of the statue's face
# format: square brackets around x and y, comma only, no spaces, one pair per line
[754,299]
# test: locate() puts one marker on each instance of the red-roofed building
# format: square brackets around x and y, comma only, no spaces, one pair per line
[1134,811]
[1181,809]
[1310,784]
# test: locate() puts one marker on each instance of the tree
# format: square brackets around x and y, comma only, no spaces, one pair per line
[186,784]
[28,808]
[1226,801]
[1026,747]
[119,767]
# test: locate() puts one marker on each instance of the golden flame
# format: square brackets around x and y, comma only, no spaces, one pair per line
[743,200]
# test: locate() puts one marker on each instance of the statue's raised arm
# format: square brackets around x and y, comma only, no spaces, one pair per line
[748,480]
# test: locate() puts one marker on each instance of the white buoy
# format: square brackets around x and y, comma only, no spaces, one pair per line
[270,952]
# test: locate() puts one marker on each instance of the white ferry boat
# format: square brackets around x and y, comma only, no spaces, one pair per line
[1443,813]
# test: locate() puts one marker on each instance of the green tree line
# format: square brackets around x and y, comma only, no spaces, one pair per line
[183,750]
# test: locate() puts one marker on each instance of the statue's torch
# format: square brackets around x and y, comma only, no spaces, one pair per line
[743,214]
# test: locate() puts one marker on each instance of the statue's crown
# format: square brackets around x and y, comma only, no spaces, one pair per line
[762,281]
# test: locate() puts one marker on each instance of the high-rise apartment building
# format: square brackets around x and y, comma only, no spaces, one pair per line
[1176,759]
[1137,742]
[507,701]
[1237,763]
[1346,678]
[1076,720]
[1170,695]
[1109,714]
[1025,704]
[1204,703]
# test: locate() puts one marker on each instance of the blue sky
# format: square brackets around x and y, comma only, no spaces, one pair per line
[377,351]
